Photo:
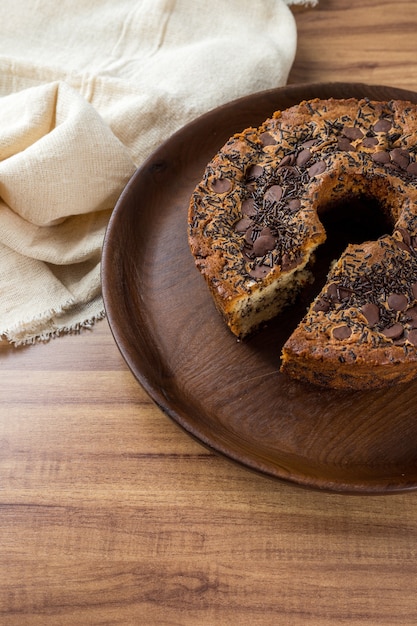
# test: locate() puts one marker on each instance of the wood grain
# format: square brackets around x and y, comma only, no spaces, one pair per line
[110,514]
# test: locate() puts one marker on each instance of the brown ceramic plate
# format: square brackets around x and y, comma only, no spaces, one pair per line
[229,394]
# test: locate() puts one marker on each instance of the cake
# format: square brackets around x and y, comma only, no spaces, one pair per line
[256,222]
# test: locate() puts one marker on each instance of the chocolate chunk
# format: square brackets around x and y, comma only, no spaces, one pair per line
[370,142]
[266,232]
[380,157]
[393,166]
[304,157]
[412,337]
[344,293]
[243,224]
[273,194]
[289,159]
[382,126]
[393,332]
[259,271]
[316,169]
[412,316]
[371,312]
[321,305]
[254,172]
[405,235]
[344,144]
[221,185]
[249,207]
[397,302]
[263,244]
[294,205]
[309,143]
[400,157]
[267,139]
[250,235]
[352,132]
[403,246]
[333,291]
[288,262]
[414,290]
[342,332]
[412,169]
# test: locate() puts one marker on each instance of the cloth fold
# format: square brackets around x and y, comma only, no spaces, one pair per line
[88,89]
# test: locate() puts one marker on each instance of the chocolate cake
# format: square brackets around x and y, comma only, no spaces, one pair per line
[257,218]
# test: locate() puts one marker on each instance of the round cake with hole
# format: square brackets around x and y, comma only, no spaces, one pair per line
[257,219]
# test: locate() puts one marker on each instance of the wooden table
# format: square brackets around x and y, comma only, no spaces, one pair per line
[110,514]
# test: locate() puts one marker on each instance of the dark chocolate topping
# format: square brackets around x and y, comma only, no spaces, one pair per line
[242,225]
[303,157]
[267,139]
[393,332]
[412,337]
[317,168]
[370,142]
[221,185]
[352,132]
[263,244]
[381,157]
[273,194]
[400,157]
[255,171]
[397,301]
[371,312]
[342,332]
[249,207]
[382,126]
[344,144]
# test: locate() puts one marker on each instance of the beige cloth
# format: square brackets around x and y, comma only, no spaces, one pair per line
[88,89]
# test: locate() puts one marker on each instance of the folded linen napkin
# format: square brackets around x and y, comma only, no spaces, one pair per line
[88,88]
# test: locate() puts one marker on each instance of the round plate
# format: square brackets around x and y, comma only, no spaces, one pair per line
[226,393]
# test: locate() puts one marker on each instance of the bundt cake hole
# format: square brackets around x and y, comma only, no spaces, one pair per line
[352,221]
